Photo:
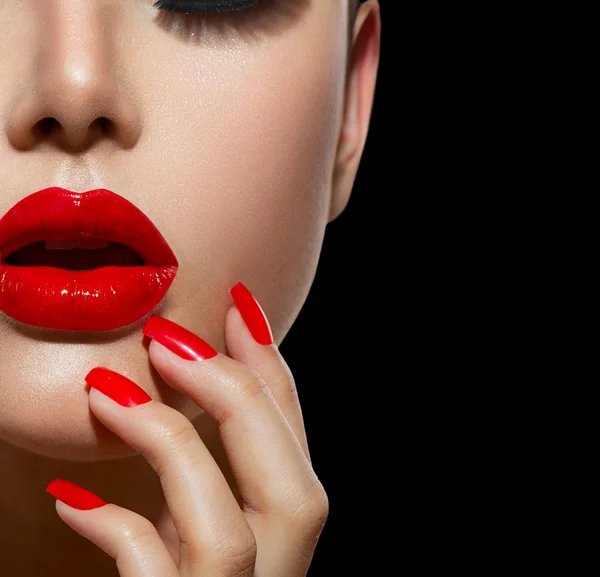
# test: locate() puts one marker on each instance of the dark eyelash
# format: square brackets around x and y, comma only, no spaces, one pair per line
[203,6]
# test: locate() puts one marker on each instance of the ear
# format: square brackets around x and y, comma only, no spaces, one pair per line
[360,89]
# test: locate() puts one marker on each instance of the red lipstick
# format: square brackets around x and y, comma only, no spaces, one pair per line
[119,266]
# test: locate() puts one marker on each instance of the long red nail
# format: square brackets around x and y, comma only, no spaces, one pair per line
[252,313]
[178,340]
[74,495]
[117,387]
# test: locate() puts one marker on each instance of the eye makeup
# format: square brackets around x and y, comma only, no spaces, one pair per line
[203,6]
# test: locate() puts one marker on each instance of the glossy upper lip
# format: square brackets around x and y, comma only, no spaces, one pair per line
[60,214]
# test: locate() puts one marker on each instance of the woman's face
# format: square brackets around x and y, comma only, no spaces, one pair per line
[222,129]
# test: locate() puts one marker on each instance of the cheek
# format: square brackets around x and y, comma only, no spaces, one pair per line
[250,185]
[235,167]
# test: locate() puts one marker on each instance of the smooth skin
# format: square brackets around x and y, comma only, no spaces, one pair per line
[252,397]
[213,477]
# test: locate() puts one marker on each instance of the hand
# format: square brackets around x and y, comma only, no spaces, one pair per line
[273,529]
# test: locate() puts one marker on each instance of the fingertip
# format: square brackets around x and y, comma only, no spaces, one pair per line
[237,336]
[234,321]
[179,340]
[240,343]
[160,354]
[253,314]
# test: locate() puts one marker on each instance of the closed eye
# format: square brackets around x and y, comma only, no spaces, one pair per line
[219,22]
[203,6]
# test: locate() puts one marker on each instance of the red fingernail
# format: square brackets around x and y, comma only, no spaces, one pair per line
[252,313]
[74,495]
[178,340]
[119,388]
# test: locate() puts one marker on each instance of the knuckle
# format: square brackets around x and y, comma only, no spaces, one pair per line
[318,503]
[179,434]
[282,378]
[237,555]
[288,382]
[169,439]
[312,511]
[138,533]
[252,386]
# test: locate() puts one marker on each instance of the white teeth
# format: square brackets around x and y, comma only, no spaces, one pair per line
[88,243]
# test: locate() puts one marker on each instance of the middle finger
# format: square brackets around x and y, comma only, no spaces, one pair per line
[272,472]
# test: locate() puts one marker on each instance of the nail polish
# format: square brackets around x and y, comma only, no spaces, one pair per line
[74,495]
[180,341]
[119,388]
[252,313]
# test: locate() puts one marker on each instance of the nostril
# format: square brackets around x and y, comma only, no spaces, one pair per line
[106,126]
[45,126]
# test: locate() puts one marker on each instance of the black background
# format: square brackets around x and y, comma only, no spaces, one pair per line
[330,349]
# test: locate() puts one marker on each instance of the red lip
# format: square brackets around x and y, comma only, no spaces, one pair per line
[101,299]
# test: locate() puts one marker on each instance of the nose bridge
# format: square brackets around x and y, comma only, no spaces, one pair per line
[75,75]
[74,91]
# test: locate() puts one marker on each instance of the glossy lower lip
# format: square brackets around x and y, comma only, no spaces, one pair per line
[95,300]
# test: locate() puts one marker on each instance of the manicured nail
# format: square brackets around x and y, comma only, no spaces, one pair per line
[178,340]
[119,388]
[252,313]
[74,495]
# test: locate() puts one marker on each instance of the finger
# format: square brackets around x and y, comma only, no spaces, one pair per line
[271,470]
[130,539]
[249,340]
[212,529]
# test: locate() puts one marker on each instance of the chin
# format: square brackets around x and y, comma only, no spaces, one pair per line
[78,445]
[65,428]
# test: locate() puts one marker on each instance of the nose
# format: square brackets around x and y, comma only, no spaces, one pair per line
[72,96]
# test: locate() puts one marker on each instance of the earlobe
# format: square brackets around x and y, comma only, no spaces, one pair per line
[360,89]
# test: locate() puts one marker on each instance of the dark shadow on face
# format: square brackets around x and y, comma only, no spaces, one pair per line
[252,24]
